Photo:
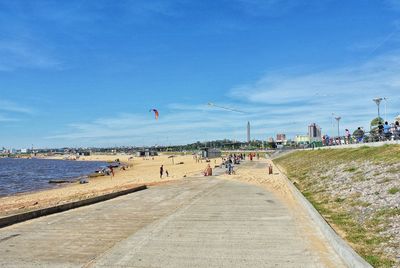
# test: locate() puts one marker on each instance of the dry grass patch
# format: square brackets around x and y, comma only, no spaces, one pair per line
[339,184]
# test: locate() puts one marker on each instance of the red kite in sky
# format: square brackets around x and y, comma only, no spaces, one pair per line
[156,114]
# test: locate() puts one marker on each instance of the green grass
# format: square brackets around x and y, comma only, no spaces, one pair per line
[376,261]
[359,203]
[387,154]
[339,200]
[350,169]
[394,190]
[308,168]
[358,177]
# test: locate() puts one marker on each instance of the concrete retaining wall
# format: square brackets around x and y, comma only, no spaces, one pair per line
[349,256]
[9,220]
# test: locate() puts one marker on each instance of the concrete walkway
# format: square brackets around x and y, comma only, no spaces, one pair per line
[196,222]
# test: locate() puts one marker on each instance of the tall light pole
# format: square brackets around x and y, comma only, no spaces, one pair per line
[385,99]
[338,120]
[378,102]
[248,132]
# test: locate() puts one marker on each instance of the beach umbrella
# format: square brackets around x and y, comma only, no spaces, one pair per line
[172,158]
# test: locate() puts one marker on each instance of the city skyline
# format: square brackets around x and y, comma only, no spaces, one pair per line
[86,74]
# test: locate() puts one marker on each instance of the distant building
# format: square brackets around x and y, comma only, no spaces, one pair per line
[302,139]
[314,132]
[146,153]
[210,153]
[281,139]
[248,132]
[83,153]
[270,139]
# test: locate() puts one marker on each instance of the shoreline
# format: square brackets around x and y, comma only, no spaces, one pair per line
[138,171]
[59,180]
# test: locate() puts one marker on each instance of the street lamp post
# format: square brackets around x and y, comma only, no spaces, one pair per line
[338,128]
[378,102]
[385,99]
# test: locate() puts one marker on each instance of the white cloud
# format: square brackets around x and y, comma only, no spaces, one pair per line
[15,55]
[376,77]
[277,102]
[5,118]
[315,96]
[12,107]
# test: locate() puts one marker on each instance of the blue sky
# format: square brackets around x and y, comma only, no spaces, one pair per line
[86,73]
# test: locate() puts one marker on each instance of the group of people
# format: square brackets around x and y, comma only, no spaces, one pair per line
[252,156]
[230,162]
[386,131]
[383,131]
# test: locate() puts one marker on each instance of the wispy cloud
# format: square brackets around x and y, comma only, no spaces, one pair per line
[376,77]
[5,118]
[277,102]
[12,107]
[274,8]
[315,96]
[394,4]
[15,55]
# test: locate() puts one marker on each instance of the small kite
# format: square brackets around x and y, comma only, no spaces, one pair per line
[156,114]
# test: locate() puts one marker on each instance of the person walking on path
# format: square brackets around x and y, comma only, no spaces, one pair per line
[161,171]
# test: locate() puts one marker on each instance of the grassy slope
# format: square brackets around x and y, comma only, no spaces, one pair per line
[311,173]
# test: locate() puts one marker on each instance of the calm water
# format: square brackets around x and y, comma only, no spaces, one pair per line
[23,175]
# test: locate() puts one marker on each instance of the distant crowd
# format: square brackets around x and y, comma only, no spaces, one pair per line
[382,132]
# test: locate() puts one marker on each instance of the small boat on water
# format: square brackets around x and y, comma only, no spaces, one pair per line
[62,181]
[96,174]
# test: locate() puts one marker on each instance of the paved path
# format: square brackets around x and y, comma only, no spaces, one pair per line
[196,222]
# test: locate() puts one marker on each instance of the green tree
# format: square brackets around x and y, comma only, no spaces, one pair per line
[375,121]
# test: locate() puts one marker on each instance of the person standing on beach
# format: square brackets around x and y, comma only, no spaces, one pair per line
[112,171]
[161,171]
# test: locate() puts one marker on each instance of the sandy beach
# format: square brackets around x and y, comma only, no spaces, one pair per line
[141,171]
